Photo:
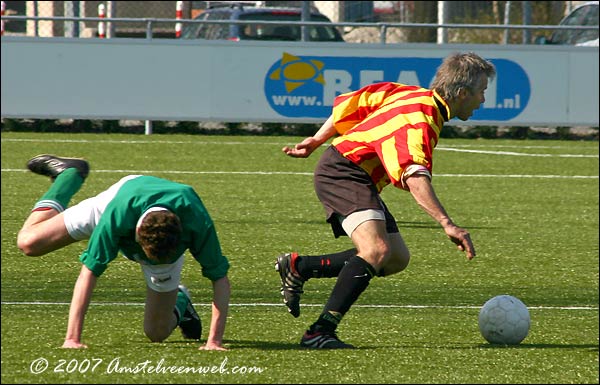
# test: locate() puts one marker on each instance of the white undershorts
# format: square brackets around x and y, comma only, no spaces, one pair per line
[165,277]
[81,219]
[351,222]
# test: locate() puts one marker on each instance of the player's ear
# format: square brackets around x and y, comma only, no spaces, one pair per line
[464,92]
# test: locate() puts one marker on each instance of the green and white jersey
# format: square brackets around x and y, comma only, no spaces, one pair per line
[115,230]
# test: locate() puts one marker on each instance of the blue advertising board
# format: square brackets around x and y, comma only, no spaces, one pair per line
[305,86]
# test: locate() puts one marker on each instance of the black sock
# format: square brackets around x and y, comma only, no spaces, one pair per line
[352,281]
[323,266]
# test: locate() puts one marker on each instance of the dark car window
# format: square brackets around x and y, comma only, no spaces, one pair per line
[217,31]
[257,31]
[192,31]
[285,32]
[207,31]
[584,15]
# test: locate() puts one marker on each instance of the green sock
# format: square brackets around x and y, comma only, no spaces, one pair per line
[66,184]
[180,305]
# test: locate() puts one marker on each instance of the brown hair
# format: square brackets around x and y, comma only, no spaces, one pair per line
[159,234]
[460,71]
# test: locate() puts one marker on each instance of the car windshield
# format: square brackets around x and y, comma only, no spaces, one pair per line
[206,31]
[285,31]
[585,15]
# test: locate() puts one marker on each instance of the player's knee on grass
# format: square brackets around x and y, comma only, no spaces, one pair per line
[158,331]
[157,335]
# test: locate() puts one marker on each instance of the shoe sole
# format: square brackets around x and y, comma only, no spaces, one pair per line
[83,169]
[279,266]
[337,345]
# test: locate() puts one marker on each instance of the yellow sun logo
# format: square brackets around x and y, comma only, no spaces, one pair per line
[295,72]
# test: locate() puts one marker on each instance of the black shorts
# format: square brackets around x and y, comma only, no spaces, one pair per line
[344,188]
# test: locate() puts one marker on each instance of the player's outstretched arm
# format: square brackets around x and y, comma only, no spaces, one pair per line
[220,308]
[422,191]
[310,144]
[82,294]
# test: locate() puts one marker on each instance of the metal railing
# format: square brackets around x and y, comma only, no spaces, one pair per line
[383,27]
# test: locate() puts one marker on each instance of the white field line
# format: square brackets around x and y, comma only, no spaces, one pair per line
[512,153]
[457,148]
[24,303]
[153,172]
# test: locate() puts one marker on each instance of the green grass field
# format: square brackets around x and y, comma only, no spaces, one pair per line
[531,208]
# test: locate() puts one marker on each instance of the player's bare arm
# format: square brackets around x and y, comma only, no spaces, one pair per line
[220,308]
[422,191]
[310,144]
[82,294]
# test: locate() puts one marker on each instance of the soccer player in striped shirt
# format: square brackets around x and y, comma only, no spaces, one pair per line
[151,221]
[385,134]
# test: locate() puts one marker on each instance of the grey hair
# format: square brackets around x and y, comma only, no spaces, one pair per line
[460,71]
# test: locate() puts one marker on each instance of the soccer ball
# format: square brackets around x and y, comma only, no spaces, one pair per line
[505,320]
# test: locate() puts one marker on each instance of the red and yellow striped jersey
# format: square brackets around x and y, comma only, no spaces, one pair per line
[386,127]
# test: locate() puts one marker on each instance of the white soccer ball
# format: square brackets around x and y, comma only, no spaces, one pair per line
[505,320]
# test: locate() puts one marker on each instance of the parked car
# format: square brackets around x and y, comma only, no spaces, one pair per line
[585,14]
[236,32]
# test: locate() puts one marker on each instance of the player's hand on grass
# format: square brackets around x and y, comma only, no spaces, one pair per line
[70,344]
[462,239]
[212,346]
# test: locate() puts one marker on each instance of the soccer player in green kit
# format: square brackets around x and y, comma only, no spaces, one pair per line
[151,221]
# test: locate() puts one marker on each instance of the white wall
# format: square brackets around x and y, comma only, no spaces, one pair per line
[176,80]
